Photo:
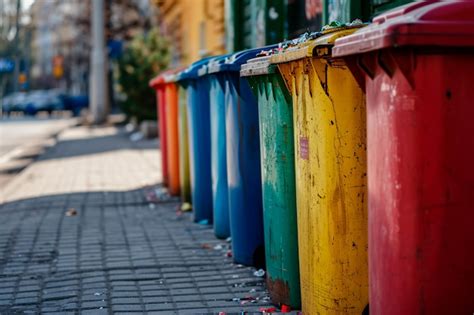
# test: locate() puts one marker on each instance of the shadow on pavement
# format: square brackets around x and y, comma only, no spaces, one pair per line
[113,251]
[67,148]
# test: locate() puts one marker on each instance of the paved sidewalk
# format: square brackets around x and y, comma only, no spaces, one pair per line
[78,236]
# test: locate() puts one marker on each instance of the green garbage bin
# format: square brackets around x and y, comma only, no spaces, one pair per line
[278,180]
[183,144]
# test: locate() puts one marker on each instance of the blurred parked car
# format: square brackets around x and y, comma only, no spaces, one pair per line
[15,102]
[42,100]
[6,104]
[33,102]
[75,103]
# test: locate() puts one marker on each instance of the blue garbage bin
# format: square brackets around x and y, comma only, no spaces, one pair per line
[198,108]
[218,147]
[243,162]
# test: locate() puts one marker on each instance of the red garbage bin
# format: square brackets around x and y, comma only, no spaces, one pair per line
[417,65]
[158,84]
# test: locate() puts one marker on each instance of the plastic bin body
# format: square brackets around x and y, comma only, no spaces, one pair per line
[218,157]
[278,181]
[185,186]
[243,163]
[200,148]
[163,137]
[330,158]
[172,140]
[420,148]
[198,114]
[158,84]
[243,172]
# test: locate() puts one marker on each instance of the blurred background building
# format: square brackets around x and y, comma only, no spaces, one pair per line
[46,44]
[199,28]
[195,28]
[61,41]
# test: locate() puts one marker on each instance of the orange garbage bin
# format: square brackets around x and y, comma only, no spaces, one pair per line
[172,132]
[167,95]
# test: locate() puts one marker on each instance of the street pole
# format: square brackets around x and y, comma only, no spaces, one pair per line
[16,70]
[98,71]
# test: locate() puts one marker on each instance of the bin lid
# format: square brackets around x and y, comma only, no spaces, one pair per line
[172,76]
[234,61]
[311,46]
[423,23]
[159,79]
[192,72]
[212,64]
[257,66]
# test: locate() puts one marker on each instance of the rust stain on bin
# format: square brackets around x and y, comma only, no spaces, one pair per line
[279,290]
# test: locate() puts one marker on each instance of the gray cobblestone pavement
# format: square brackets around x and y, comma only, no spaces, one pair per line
[78,236]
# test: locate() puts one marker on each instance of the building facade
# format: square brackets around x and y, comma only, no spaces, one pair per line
[195,28]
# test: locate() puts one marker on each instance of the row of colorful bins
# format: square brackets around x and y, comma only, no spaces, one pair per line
[330,163]
[172,127]
[356,145]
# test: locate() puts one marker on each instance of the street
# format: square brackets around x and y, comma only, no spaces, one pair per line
[20,131]
[22,139]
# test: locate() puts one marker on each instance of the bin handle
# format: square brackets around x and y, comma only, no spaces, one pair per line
[390,60]
[367,65]
[357,73]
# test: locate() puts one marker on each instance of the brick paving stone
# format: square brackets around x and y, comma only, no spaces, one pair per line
[116,253]
[170,312]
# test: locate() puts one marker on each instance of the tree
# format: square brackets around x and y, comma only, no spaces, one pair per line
[146,55]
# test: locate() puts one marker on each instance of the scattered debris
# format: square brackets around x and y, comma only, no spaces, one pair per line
[337,24]
[151,205]
[130,127]
[218,247]
[235,276]
[161,192]
[252,291]
[268,310]
[136,136]
[229,253]
[71,212]
[186,206]
[285,308]
[204,222]
[245,300]
[259,273]
[206,246]
[229,239]
[158,194]
[97,294]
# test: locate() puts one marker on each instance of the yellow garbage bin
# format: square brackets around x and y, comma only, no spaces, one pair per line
[331,175]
